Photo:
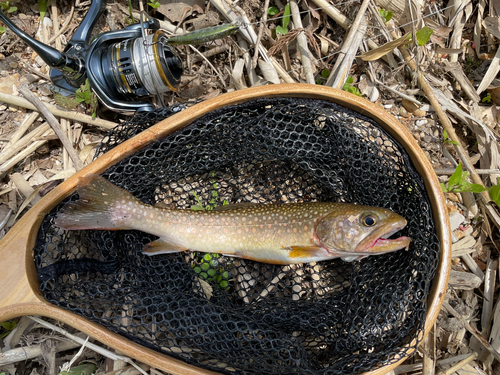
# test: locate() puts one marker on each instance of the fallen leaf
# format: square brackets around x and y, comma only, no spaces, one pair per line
[174,10]
[383,50]
[313,11]
[237,76]
[269,72]
[492,24]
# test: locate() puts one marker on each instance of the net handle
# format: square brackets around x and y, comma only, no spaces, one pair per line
[19,292]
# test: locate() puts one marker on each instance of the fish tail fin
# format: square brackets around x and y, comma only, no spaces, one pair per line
[102,205]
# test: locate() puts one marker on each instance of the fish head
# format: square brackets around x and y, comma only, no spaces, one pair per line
[360,230]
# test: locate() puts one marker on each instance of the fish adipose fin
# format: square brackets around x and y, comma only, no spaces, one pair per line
[162,247]
[98,206]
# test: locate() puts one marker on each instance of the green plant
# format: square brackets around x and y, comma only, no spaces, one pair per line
[42,7]
[85,95]
[487,98]
[349,87]
[208,267]
[387,14]
[285,21]
[458,183]
[213,202]
[7,328]
[86,368]
[154,4]
[423,35]
[494,192]
[272,11]
[6,7]
[207,264]
[325,73]
[448,140]
[130,19]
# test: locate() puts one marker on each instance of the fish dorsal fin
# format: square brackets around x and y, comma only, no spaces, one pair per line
[162,247]
[236,206]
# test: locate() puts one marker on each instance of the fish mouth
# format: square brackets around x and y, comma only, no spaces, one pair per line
[379,242]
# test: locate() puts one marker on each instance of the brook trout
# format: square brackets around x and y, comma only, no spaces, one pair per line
[270,233]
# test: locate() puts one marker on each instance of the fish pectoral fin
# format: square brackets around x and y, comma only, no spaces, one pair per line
[162,247]
[305,251]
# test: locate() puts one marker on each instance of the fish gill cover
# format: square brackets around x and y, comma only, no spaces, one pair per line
[237,316]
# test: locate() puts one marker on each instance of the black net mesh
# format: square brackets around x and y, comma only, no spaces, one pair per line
[238,316]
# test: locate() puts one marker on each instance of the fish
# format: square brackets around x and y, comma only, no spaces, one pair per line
[287,233]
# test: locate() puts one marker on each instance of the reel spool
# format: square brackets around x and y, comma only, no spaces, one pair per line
[123,67]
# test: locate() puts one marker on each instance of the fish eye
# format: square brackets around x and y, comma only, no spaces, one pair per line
[369,220]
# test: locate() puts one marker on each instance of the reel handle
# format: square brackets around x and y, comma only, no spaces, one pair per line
[50,55]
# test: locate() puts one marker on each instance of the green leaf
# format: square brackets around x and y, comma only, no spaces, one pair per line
[325,73]
[2,29]
[448,140]
[486,99]
[455,178]
[467,187]
[12,9]
[272,11]
[387,14]
[84,93]
[155,4]
[286,17]
[494,192]
[424,35]
[443,188]
[281,30]
[130,10]
[83,369]
[42,6]
[8,325]
[349,80]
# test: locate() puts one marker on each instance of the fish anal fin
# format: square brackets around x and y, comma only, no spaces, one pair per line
[162,247]
[353,258]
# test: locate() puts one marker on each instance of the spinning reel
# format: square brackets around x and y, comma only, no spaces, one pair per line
[123,67]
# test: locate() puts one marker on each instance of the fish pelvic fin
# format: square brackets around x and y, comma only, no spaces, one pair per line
[299,254]
[162,247]
[102,205]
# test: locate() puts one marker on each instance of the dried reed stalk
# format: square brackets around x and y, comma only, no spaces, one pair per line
[73,115]
[54,124]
